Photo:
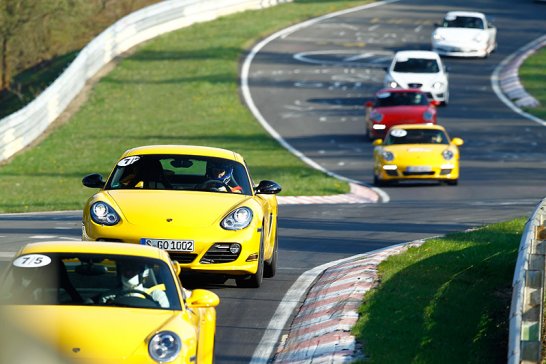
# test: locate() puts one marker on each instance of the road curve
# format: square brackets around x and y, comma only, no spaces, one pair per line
[304,88]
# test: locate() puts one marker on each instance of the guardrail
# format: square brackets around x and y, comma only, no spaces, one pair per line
[22,127]
[526,311]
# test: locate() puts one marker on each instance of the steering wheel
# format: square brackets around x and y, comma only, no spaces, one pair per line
[111,295]
[214,185]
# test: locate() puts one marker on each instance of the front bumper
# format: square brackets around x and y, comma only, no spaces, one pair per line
[211,246]
[395,172]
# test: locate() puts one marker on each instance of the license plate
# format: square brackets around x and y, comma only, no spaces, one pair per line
[419,169]
[169,244]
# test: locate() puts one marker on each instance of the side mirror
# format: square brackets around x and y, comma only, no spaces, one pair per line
[202,298]
[457,141]
[94,180]
[268,187]
[377,142]
[369,104]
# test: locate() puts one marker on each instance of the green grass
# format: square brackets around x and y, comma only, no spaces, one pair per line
[446,301]
[533,79]
[181,88]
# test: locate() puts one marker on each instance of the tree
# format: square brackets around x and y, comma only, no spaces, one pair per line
[15,15]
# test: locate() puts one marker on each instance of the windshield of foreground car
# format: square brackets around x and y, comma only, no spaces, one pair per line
[417,65]
[416,136]
[463,22]
[401,99]
[90,280]
[180,172]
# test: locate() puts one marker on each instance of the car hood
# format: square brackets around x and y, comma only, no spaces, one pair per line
[90,334]
[402,113]
[458,35]
[184,208]
[418,153]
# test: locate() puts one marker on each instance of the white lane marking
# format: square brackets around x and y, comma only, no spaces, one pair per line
[495,82]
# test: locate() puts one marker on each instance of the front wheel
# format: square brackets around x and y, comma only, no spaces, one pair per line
[270,268]
[254,280]
[452,182]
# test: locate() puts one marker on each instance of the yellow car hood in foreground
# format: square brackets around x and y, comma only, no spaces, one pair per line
[184,208]
[419,154]
[91,334]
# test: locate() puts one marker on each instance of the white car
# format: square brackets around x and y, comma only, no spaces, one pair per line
[464,34]
[422,70]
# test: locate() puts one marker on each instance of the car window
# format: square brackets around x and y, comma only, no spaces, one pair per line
[416,136]
[180,172]
[90,280]
[463,22]
[387,99]
[416,65]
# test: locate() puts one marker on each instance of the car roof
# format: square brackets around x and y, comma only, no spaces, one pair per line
[96,247]
[465,13]
[417,54]
[418,126]
[184,150]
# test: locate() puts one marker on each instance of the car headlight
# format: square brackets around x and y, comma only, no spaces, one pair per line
[437,37]
[437,85]
[480,38]
[427,115]
[104,214]
[238,219]
[376,117]
[393,84]
[388,156]
[164,346]
[447,154]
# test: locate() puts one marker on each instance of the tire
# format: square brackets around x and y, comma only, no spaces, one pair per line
[378,182]
[270,268]
[452,182]
[254,280]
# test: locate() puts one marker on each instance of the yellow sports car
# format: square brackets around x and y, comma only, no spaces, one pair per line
[197,203]
[107,303]
[416,152]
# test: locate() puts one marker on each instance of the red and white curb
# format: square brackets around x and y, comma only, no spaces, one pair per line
[357,194]
[321,330]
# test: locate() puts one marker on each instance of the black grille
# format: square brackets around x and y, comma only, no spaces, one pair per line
[415,85]
[418,173]
[183,258]
[219,254]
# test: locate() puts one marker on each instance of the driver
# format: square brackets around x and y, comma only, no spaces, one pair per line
[219,172]
[132,278]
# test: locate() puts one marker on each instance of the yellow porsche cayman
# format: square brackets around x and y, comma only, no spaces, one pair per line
[107,303]
[198,203]
[416,152]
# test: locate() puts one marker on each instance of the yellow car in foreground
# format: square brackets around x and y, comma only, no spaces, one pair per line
[197,203]
[107,303]
[416,152]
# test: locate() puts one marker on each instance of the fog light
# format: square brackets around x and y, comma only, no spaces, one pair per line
[252,257]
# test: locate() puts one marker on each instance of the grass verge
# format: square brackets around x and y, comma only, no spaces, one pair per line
[446,301]
[181,88]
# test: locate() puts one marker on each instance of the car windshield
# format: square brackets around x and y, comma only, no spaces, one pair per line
[463,22]
[90,280]
[180,172]
[416,65]
[387,99]
[416,136]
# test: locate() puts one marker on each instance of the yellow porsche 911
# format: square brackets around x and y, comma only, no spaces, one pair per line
[107,303]
[198,203]
[416,152]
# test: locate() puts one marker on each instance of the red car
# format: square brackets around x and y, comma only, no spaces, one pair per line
[398,106]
